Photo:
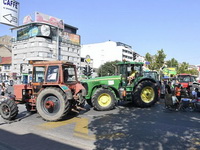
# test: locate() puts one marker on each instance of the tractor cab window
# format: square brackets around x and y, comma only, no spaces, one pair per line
[193,79]
[38,74]
[135,68]
[69,74]
[186,79]
[52,74]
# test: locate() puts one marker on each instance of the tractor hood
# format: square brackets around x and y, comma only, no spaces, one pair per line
[105,79]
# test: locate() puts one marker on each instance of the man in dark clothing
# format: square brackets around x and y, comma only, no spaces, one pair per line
[168,88]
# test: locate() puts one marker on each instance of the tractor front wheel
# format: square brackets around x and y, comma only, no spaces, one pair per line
[8,109]
[103,99]
[52,104]
[145,94]
[89,102]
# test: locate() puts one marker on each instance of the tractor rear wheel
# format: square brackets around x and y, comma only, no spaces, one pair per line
[103,99]
[145,94]
[8,109]
[52,104]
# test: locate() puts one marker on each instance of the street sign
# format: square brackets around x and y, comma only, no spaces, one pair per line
[9,12]
[87,59]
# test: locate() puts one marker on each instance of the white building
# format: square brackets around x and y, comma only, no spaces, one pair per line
[107,51]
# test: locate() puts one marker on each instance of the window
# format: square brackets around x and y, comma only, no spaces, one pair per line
[38,74]
[41,54]
[69,74]
[49,55]
[7,67]
[52,73]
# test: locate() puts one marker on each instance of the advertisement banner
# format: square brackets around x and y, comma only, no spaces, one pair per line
[39,17]
[71,38]
[169,72]
[31,31]
[9,12]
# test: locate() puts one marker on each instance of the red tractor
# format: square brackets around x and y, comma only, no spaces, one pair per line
[53,92]
[187,81]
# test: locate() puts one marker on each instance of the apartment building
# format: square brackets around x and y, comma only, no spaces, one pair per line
[107,51]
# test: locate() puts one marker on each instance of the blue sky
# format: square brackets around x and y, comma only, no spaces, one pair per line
[146,25]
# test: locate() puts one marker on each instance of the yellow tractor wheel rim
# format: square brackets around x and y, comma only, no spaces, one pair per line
[104,100]
[147,94]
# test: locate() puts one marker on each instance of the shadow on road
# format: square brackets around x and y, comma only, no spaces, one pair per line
[11,141]
[147,129]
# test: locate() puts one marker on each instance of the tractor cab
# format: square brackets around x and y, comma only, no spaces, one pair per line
[59,73]
[51,74]
[127,68]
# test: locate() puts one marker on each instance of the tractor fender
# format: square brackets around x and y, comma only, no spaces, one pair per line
[67,91]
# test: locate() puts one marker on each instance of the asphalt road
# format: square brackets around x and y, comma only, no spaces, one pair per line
[125,127]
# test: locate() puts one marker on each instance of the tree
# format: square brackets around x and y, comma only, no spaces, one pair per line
[150,59]
[159,59]
[107,68]
[156,61]
[172,63]
[183,68]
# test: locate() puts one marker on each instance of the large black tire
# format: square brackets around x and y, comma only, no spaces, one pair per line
[8,109]
[52,104]
[145,94]
[89,102]
[103,99]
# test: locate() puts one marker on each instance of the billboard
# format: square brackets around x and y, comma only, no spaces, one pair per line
[9,12]
[169,72]
[70,38]
[39,17]
[34,30]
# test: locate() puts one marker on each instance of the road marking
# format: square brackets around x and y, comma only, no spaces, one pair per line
[81,124]
[80,130]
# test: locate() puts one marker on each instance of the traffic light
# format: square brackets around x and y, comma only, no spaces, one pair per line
[134,56]
[89,71]
[85,70]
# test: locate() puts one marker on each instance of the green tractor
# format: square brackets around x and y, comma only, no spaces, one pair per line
[104,92]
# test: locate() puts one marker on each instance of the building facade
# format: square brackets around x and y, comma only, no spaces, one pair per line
[107,51]
[5,69]
[5,58]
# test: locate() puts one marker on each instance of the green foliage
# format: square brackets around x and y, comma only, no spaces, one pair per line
[160,59]
[194,72]
[107,69]
[184,68]
[151,60]
[172,63]
[156,61]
